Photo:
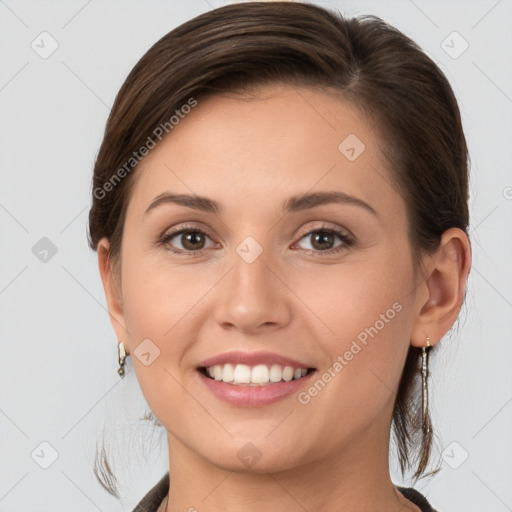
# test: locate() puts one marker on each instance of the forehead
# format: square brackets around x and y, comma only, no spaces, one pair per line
[250,150]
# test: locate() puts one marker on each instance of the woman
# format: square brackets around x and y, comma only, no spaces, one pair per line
[280,214]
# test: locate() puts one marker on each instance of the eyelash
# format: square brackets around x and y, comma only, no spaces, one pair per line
[347,240]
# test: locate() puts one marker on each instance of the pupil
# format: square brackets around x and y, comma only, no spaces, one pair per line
[190,238]
[323,238]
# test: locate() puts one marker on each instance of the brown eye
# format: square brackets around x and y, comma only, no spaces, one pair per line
[322,241]
[190,240]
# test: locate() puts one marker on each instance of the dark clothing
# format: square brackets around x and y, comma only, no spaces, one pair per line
[417,498]
[153,499]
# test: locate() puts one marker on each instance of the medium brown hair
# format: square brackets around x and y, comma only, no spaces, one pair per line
[371,64]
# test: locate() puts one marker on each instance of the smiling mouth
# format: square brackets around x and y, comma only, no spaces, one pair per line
[257,375]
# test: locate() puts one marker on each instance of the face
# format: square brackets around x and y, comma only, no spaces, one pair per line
[268,279]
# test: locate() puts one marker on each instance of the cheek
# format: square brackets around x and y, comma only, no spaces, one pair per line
[157,295]
[365,316]
[349,300]
[158,310]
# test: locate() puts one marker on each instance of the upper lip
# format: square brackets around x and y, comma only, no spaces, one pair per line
[251,359]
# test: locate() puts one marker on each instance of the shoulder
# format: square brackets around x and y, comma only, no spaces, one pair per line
[154,497]
[417,498]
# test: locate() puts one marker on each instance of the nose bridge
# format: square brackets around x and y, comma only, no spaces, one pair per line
[253,295]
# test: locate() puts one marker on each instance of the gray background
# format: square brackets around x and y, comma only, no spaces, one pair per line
[58,380]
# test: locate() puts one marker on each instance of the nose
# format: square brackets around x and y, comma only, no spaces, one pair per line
[253,298]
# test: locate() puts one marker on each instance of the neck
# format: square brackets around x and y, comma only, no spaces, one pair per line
[353,478]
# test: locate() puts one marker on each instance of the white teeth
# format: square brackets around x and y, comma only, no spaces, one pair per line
[228,373]
[288,373]
[259,375]
[276,373]
[242,374]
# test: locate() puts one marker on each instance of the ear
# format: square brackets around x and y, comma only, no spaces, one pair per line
[113,294]
[441,294]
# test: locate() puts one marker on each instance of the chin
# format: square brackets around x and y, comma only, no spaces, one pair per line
[255,456]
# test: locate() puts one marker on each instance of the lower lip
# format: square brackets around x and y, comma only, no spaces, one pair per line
[252,396]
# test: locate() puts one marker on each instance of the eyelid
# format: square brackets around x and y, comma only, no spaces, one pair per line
[186,227]
[325,225]
[304,231]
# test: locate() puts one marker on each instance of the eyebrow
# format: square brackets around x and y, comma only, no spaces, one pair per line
[292,205]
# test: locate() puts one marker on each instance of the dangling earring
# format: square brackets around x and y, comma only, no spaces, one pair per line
[424,386]
[121,358]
